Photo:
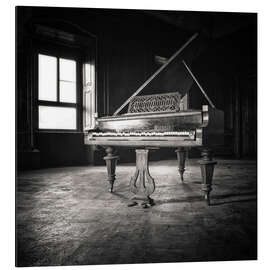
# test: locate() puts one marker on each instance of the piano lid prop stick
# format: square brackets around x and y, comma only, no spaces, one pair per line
[194,78]
[155,74]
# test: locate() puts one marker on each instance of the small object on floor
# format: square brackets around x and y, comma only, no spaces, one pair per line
[132,204]
[151,201]
[145,205]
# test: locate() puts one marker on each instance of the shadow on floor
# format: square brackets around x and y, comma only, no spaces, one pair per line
[215,199]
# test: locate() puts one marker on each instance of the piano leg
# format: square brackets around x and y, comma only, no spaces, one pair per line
[181,157]
[111,161]
[142,184]
[207,170]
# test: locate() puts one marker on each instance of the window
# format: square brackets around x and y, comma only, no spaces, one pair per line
[57,93]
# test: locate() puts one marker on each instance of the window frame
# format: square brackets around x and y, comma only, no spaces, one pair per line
[59,51]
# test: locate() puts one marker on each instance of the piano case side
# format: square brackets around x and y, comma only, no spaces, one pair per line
[213,130]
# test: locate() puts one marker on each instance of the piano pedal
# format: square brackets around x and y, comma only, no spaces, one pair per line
[148,203]
[132,204]
[151,201]
[145,205]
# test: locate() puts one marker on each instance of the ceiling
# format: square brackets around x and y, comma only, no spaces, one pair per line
[213,24]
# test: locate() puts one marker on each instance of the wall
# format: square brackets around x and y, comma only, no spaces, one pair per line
[228,70]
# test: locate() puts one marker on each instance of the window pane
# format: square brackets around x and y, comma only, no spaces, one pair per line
[57,117]
[67,70]
[67,91]
[47,77]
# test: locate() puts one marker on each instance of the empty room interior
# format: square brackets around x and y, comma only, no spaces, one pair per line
[136,136]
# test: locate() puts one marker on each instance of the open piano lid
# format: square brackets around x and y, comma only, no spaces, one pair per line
[174,74]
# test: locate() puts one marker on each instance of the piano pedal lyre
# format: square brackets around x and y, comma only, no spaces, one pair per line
[142,184]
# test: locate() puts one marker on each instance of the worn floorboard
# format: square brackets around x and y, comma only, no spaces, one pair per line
[66,216]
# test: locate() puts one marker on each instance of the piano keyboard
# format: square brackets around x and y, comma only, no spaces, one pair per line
[190,134]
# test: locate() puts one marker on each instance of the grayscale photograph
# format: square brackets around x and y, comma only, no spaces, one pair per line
[136,136]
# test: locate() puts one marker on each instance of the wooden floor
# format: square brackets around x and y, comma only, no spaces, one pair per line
[66,216]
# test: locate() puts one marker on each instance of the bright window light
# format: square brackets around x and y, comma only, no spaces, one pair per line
[47,77]
[57,86]
[67,70]
[67,83]
[67,92]
[52,117]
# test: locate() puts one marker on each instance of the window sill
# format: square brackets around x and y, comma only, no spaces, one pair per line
[62,131]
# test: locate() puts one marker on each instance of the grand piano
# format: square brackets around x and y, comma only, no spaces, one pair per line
[162,120]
